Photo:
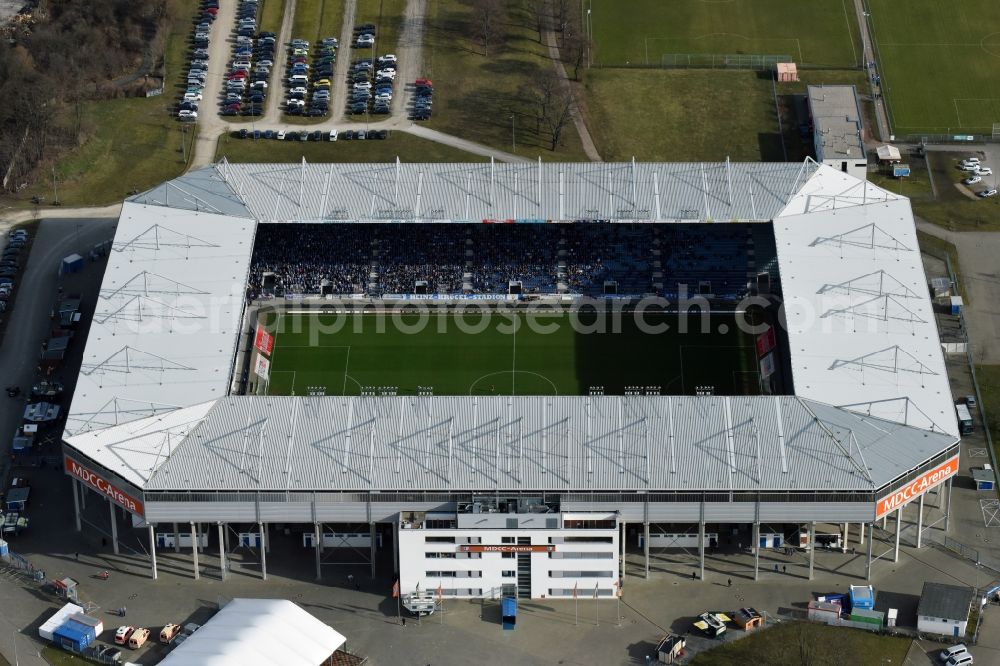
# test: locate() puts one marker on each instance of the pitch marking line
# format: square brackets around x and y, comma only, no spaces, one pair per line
[472,386]
[347,364]
[267,391]
[850,34]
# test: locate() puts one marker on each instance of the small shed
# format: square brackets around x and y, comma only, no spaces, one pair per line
[71,264]
[74,636]
[862,616]
[748,619]
[787,72]
[956,305]
[862,597]
[984,477]
[824,611]
[57,620]
[66,589]
[670,648]
[17,498]
[944,609]
[888,154]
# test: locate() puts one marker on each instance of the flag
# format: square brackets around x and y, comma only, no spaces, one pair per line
[440,591]
[595,590]
[395,589]
[574,589]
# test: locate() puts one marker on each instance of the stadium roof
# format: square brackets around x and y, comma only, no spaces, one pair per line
[252,632]
[551,443]
[861,327]
[488,191]
[152,400]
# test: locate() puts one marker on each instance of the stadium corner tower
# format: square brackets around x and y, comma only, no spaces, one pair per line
[846,417]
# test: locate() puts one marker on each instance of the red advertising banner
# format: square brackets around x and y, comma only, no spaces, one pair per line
[765,342]
[916,487]
[103,486]
[263,341]
[507,548]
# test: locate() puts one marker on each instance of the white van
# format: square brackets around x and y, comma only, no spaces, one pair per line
[953,651]
[964,659]
[298,79]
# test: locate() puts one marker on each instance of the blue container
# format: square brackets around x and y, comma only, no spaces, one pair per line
[74,636]
[508,612]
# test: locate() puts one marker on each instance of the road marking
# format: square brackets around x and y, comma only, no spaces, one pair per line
[347,364]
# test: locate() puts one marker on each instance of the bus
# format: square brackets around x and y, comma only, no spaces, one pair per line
[964,419]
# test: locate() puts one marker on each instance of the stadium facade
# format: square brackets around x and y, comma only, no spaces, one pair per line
[479,492]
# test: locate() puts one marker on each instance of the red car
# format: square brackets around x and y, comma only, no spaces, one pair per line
[424,82]
[236,76]
[212,10]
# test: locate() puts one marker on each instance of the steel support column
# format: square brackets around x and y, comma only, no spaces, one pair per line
[645,545]
[318,546]
[222,553]
[395,546]
[861,534]
[371,530]
[847,537]
[114,526]
[263,552]
[701,550]
[621,537]
[756,551]
[947,506]
[194,550]
[920,520]
[177,539]
[812,548]
[152,549]
[871,540]
[76,504]
[899,527]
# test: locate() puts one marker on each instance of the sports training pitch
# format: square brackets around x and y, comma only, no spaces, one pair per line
[509,354]
[646,32]
[939,64]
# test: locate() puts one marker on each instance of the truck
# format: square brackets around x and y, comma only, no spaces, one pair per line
[965,424]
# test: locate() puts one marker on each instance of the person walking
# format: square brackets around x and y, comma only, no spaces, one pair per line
[729,581]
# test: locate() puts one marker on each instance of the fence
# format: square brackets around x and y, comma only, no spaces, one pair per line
[754,61]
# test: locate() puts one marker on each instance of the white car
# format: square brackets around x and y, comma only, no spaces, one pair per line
[388,57]
[968,166]
[386,73]
[192,97]
[988,193]
[972,180]
[187,115]
[298,90]
[953,651]
[366,40]
[363,85]
[985,171]
[295,102]
[281,135]
[333,135]
[387,96]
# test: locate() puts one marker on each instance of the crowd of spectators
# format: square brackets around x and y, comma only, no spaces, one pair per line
[447,258]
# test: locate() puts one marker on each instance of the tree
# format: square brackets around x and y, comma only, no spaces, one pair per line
[575,48]
[560,114]
[553,104]
[538,13]
[489,16]
[562,13]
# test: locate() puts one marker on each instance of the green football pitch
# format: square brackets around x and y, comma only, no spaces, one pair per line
[509,354]
[939,63]
[646,32]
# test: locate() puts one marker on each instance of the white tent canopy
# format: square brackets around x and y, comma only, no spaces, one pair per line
[252,632]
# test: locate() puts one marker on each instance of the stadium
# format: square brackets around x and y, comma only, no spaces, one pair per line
[470,363]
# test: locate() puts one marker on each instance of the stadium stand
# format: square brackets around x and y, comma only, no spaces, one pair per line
[591,259]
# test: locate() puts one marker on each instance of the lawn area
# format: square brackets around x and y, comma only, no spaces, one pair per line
[270,14]
[387,15]
[807,643]
[938,63]
[694,119]
[409,148]
[316,19]
[812,32]
[129,143]
[476,95]
[57,657]
[507,354]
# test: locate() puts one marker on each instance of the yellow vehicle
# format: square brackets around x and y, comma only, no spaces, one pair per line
[321,82]
[168,632]
[138,638]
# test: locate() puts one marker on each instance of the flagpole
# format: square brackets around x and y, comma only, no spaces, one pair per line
[576,610]
[597,605]
[619,595]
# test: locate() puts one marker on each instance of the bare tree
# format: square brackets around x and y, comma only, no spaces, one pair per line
[489,16]
[575,47]
[553,102]
[538,12]
[562,13]
[560,114]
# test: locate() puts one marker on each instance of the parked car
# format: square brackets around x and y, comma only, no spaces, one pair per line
[988,193]
[972,180]
[122,634]
[984,171]
[138,638]
[185,114]
[168,633]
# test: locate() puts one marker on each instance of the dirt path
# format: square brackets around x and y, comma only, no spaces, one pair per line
[977,252]
[338,99]
[581,127]
[210,124]
[276,86]
[881,117]
[410,51]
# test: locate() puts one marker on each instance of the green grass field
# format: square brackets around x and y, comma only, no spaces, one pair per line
[506,354]
[813,32]
[939,64]
[387,15]
[316,19]
[694,118]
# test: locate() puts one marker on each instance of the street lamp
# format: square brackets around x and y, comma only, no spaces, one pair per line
[513,140]
[590,36]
